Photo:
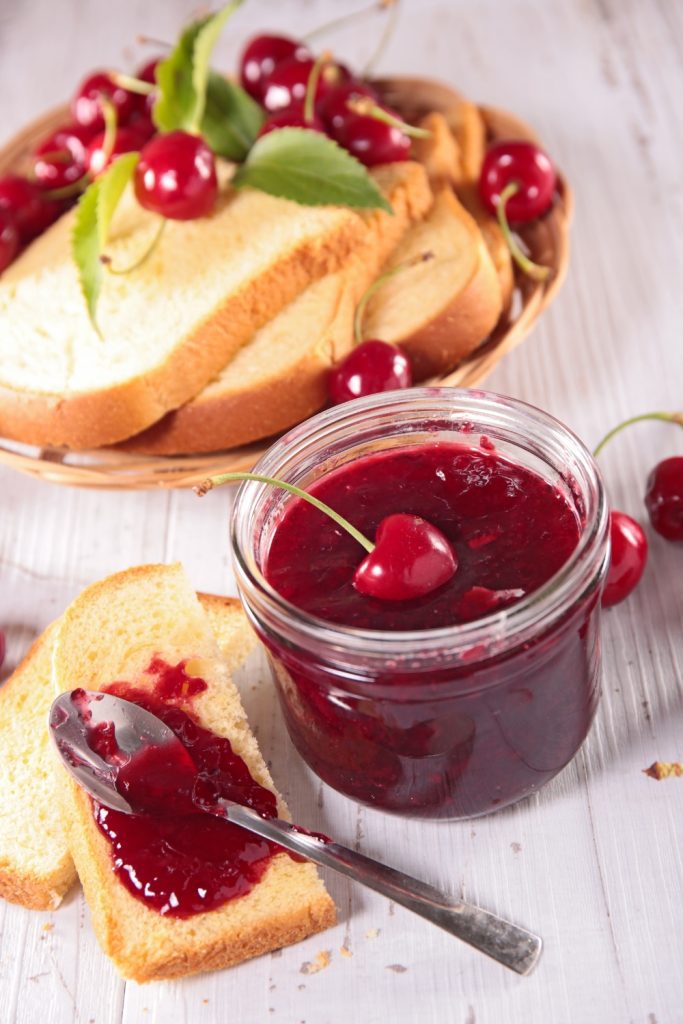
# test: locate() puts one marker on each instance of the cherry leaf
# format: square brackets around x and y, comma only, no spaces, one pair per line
[231,119]
[94,214]
[204,44]
[308,168]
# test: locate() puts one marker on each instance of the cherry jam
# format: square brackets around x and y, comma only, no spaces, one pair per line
[171,858]
[478,693]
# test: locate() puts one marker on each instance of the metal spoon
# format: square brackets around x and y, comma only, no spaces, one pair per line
[70,720]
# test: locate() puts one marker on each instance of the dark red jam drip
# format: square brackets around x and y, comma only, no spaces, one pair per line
[183,863]
[511,531]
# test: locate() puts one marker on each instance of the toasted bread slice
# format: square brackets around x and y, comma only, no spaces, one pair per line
[111,632]
[169,326]
[439,153]
[36,867]
[438,311]
[279,378]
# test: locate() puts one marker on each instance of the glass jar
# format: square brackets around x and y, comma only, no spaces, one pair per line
[440,723]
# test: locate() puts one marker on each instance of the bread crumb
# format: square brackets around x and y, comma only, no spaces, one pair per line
[205,1002]
[345,951]
[48,926]
[372,933]
[663,769]
[322,959]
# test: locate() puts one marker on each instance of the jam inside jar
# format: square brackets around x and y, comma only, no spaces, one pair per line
[463,702]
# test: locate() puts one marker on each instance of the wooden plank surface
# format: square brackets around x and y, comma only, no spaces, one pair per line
[594,861]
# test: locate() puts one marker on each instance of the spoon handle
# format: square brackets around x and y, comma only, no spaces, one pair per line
[510,945]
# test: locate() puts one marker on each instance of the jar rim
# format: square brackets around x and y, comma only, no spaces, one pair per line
[499,630]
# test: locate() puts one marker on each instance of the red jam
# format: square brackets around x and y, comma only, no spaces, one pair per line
[468,735]
[171,858]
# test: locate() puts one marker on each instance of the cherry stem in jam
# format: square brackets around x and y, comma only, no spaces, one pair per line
[106,260]
[421,257]
[666,417]
[225,478]
[321,62]
[366,107]
[531,269]
[348,19]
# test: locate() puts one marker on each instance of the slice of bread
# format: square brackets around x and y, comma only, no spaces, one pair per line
[168,327]
[36,867]
[110,633]
[279,378]
[440,310]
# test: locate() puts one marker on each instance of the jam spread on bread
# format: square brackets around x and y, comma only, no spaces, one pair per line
[173,859]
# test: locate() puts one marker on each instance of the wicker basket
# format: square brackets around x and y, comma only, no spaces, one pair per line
[547,240]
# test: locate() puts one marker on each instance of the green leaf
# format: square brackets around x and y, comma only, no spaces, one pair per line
[204,44]
[309,168]
[231,119]
[91,227]
[183,76]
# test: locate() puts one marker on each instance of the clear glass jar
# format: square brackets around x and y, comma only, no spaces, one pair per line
[440,723]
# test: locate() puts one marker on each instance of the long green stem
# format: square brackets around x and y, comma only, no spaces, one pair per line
[421,257]
[132,84]
[531,269]
[667,417]
[368,108]
[347,19]
[225,478]
[312,85]
[141,259]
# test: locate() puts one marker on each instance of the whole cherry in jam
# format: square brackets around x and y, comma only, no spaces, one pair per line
[260,58]
[9,240]
[25,204]
[371,367]
[86,106]
[176,176]
[411,558]
[664,498]
[524,165]
[628,558]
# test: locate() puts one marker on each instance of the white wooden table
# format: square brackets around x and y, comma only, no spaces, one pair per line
[593,862]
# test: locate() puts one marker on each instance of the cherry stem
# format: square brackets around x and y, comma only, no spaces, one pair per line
[225,478]
[392,7]
[106,260]
[151,41]
[421,257]
[667,417]
[348,19]
[312,85]
[368,108]
[68,191]
[110,126]
[531,269]
[132,84]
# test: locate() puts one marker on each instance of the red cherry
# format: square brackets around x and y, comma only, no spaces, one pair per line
[627,558]
[86,108]
[371,367]
[3,648]
[260,58]
[127,140]
[9,244]
[371,141]
[664,498]
[286,86]
[176,177]
[411,558]
[333,108]
[23,201]
[479,601]
[526,165]
[61,158]
[292,117]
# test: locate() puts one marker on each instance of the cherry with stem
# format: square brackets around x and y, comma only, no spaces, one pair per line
[409,559]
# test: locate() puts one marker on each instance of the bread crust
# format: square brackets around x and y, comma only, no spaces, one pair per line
[105,416]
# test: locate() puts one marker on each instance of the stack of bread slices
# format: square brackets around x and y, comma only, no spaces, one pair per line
[226,334]
[48,834]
